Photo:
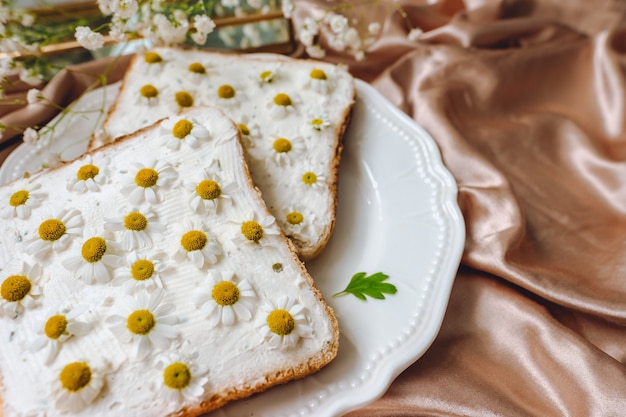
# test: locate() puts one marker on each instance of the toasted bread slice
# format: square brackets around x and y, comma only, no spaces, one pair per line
[292,114]
[147,277]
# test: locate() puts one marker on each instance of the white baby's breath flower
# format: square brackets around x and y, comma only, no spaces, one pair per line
[118,34]
[30,136]
[169,33]
[197,244]
[21,202]
[415,34]
[253,230]
[203,24]
[57,325]
[96,260]
[142,272]
[89,39]
[33,96]
[286,151]
[138,228]
[208,191]
[224,299]
[287,8]
[229,3]
[177,131]
[315,51]
[125,9]
[90,176]
[54,233]
[146,182]
[19,289]
[145,322]
[373,28]
[180,379]
[283,323]
[30,76]
[77,384]
[338,23]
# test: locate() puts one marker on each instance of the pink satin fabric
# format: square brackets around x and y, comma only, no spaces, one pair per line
[527,103]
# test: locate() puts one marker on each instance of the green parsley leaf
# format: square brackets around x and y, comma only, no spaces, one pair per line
[373,286]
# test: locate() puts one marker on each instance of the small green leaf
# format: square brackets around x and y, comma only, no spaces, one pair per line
[363,286]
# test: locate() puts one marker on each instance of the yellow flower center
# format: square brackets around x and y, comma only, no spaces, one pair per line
[193,240]
[244,129]
[51,230]
[282,99]
[226,91]
[208,190]
[317,123]
[142,270]
[184,99]
[152,58]
[75,376]
[282,145]
[149,91]
[87,172]
[197,68]
[15,288]
[19,198]
[182,128]
[252,230]
[309,178]
[318,74]
[94,249]
[135,221]
[225,293]
[56,326]
[140,322]
[146,177]
[295,218]
[281,322]
[177,376]
[266,76]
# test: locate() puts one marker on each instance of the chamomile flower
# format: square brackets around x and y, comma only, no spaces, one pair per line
[229,95]
[208,191]
[55,233]
[283,323]
[319,121]
[250,131]
[319,81]
[197,244]
[296,222]
[22,201]
[254,230]
[146,181]
[90,176]
[223,299]
[178,131]
[285,151]
[149,94]
[55,327]
[138,228]
[180,379]
[282,105]
[96,260]
[268,74]
[138,272]
[77,384]
[145,322]
[312,178]
[19,289]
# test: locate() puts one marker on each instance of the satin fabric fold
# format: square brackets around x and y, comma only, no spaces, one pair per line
[525,100]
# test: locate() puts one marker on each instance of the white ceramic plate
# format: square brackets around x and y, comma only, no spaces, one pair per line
[397,214]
